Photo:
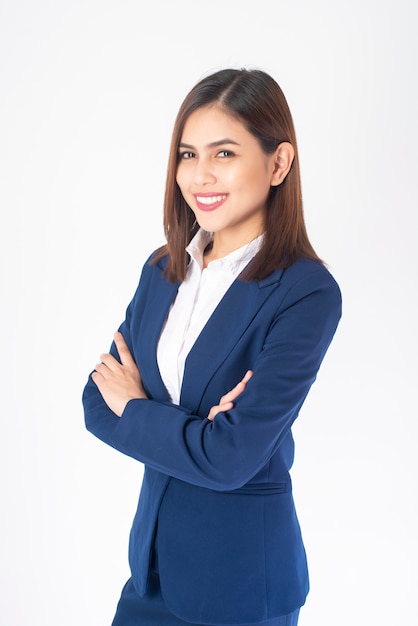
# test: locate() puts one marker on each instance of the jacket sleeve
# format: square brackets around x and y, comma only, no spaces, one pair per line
[99,419]
[227,452]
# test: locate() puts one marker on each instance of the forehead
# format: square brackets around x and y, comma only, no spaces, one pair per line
[212,123]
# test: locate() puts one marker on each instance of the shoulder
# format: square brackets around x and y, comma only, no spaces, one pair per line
[156,260]
[153,266]
[152,284]
[152,275]
[302,271]
[306,278]
[310,271]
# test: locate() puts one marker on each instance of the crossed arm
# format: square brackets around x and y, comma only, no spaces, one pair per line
[120,382]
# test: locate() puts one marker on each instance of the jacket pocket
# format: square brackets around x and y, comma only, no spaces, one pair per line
[261,489]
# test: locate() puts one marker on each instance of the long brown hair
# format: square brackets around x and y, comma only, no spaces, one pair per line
[256,100]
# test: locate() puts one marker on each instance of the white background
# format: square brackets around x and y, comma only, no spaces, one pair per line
[88,94]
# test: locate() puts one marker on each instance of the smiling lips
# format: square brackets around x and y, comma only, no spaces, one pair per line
[209,202]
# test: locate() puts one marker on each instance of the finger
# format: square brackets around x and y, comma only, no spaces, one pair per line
[225,406]
[99,372]
[109,361]
[247,376]
[238,389]
[219,408]
[124,352]
[233,394]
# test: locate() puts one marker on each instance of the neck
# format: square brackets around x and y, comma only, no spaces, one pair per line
[218,250]
[221,246]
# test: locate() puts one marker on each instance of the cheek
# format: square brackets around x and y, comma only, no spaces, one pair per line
[259,180]
[182,179]
[179,179]
[251,181]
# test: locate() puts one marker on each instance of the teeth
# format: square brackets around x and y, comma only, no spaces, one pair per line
[210,199]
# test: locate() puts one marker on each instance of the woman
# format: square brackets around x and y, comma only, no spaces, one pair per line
[221,343]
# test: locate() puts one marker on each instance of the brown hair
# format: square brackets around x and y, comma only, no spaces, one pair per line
[256,100]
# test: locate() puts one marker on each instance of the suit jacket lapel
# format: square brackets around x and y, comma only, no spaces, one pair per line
[159,299]
[231,317]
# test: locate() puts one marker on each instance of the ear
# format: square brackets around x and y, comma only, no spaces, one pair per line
[282,162]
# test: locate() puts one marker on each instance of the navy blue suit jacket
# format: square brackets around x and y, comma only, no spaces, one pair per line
[229,544]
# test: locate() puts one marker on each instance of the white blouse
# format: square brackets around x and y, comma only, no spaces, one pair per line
[197,297]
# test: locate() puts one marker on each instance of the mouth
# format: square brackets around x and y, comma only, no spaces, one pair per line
[209,202]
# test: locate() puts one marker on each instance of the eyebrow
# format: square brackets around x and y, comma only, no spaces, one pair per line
[213,144]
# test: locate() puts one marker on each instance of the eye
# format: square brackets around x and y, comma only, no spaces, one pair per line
[225,153]
[187,154]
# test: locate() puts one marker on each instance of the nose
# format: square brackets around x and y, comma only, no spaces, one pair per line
[203,174]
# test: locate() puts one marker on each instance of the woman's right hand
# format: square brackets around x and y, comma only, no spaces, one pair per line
[227,401]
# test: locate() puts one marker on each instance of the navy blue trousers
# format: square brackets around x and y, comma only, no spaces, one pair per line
[151,610]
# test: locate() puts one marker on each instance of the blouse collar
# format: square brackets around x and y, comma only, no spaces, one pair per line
[235,261]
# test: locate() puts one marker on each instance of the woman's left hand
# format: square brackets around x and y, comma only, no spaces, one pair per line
[226,403]
[118,382]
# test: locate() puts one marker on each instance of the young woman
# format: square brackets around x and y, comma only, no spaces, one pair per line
[221,343]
